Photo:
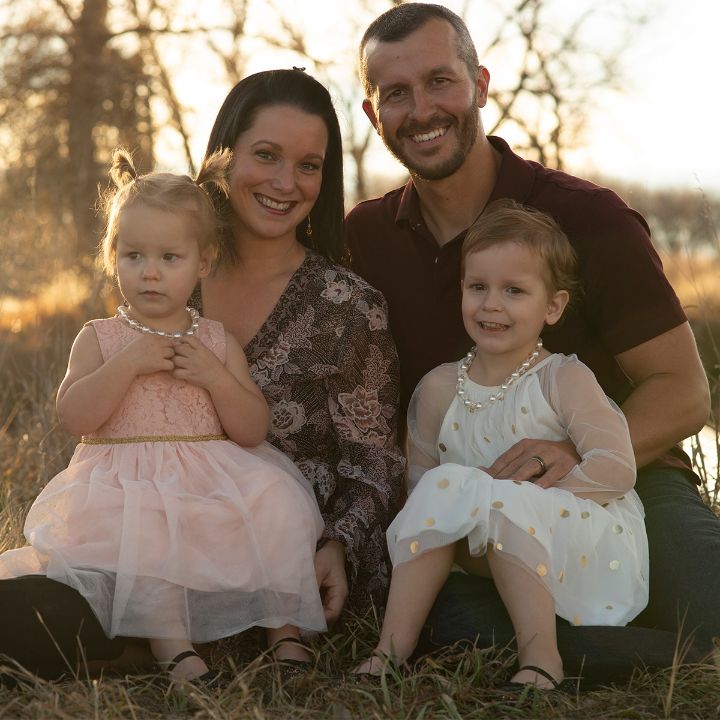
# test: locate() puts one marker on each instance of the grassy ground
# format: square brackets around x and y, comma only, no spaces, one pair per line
[451,685]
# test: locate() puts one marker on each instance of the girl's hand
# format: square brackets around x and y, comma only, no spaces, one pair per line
[195,363]
[149,353]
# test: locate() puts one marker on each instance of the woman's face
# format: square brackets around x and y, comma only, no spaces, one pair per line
[277,171]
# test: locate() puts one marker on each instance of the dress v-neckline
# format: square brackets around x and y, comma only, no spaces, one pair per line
[292,284]
[288,289]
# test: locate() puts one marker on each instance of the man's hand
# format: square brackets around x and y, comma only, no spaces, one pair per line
[331,577]
[542,461]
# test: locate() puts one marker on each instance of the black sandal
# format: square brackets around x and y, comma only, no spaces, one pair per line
[511,687]
[290,669]
[209,680]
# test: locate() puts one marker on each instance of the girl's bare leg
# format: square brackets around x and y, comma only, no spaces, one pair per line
[187,669]
[288,650]
[413,589]
[532,612]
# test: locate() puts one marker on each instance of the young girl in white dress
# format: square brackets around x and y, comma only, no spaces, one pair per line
[168,527]
[578,548]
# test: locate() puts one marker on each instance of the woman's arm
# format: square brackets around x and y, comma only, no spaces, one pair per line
[241,407]
[92,388]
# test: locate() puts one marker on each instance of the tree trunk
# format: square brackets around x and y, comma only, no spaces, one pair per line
[90,36]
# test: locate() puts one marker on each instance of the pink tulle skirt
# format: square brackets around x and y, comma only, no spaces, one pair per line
[179,539]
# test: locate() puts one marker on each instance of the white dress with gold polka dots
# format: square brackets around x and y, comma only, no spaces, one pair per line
[583,539]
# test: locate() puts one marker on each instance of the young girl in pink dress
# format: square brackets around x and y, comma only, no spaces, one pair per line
[577,548]
[162,521]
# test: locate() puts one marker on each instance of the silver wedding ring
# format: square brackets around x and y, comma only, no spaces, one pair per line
[540,462]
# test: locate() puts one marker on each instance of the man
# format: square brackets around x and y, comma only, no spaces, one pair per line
[424,90]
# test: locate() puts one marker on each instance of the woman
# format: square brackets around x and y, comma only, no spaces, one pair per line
[315,334]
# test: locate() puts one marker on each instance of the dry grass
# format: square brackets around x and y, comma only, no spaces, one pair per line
[451,685]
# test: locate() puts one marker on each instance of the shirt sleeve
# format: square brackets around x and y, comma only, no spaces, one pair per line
[363,405]
[598,430]
[637,305]
[428,406]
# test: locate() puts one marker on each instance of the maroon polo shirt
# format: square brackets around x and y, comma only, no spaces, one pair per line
[626,298]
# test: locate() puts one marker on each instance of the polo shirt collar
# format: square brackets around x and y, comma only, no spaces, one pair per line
[515,180]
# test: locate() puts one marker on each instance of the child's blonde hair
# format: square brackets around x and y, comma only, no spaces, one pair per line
[506,220]
[167,192]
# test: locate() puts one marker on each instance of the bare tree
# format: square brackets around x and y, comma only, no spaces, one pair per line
[67,95]
[556,70]
[75,83]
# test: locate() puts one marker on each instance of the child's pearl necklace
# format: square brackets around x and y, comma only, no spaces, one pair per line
[194,321]
[519,371]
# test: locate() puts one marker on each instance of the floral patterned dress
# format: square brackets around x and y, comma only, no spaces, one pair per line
[327,365]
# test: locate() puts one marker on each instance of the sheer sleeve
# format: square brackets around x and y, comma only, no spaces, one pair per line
[428,406]
[598,429]
[363,406]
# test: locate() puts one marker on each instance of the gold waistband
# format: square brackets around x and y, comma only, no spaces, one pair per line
[149,439]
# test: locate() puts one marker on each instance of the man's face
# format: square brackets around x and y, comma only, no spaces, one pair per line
[425,104]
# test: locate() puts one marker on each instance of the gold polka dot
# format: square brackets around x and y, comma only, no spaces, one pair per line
[518,482]
[605,504]
[617,529]
[622,497]
[585,515]
[561,576]
[564,513]
[608,607]
[576,620]
[456,426]
[524,410]
[541,570]
[498,504]
[471,410]
[429,522]
[443,447]
[614,564]
[414,546]
[514,429]
[498,546]
[442,484]
[486,439]
[531,530]
[475,512]
[583,561]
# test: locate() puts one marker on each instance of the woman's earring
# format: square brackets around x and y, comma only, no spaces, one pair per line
[308,229]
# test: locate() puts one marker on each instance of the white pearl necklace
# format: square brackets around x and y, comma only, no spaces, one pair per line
[519,371]
[122,313]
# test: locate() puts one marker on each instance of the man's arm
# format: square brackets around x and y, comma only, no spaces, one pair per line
[670,401]
[671,398]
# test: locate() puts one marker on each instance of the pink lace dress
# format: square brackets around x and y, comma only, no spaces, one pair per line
[169,529]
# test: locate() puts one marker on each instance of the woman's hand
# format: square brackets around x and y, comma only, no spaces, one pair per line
[196,363]
[542,461]
[331,577]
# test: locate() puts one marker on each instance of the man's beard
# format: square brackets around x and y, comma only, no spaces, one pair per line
[466,127]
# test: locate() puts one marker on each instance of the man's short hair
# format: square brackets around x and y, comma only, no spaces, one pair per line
[402,20]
